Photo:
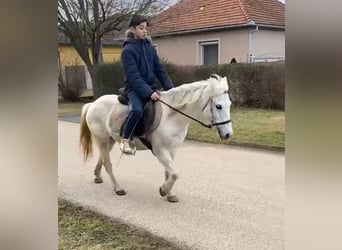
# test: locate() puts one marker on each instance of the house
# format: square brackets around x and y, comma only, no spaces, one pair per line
[111,50]
[209,32]
[69,59]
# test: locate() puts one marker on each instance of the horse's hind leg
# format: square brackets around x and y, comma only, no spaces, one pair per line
[97,172]
[104,151]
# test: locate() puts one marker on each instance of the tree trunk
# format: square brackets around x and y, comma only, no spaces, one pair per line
[95,83]
[97,51]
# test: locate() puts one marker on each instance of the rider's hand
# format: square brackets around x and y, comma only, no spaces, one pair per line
[155,96]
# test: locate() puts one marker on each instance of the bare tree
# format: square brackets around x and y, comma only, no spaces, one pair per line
[85,22]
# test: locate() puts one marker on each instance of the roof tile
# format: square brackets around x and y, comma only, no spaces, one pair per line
[200,14]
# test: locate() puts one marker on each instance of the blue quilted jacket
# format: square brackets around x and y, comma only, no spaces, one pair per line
[141,66]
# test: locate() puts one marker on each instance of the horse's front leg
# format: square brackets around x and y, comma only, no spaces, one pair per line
[171,197]
[171,174]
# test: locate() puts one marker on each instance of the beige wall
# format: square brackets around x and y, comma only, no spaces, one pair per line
[275,41]
[185,49]
[234,43]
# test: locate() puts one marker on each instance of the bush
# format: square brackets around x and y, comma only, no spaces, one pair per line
[70,89]
[180,73]
[257,85]
[110,78]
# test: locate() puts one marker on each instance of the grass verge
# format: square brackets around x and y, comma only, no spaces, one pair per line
[252,127]
[65,108]
[79,228]
[257,128]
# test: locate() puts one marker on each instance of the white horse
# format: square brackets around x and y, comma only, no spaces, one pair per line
[207,101]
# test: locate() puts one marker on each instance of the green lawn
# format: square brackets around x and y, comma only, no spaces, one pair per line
[252,127]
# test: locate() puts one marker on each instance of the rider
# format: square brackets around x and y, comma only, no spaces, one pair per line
[140,65]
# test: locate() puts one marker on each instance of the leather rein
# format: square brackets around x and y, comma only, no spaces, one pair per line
[196,120]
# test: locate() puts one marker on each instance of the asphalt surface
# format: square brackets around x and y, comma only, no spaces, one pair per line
[230,197]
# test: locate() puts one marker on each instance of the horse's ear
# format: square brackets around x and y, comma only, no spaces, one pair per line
[224,79]
[216,76]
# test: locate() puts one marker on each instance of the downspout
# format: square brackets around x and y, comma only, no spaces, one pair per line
[250,43]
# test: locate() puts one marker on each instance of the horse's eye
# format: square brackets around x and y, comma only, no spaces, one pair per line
[218,106]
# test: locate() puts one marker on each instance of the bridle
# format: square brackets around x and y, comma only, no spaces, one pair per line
[210,100]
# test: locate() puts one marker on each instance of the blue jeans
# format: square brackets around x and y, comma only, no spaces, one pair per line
[137,110]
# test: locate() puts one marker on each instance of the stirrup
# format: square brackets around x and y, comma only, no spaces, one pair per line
[127,147]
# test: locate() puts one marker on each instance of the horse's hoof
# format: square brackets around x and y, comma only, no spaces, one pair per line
[161,192]
[120,192]
[172,198]
[98,180]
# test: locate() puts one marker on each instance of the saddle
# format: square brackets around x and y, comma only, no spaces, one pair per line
[149,121]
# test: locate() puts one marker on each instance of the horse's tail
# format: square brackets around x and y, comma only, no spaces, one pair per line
[85,134]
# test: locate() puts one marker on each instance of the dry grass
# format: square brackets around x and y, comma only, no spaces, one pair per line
[79,228]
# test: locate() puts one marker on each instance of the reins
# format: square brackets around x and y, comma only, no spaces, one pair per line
[194,119]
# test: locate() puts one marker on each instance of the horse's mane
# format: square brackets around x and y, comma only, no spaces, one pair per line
[192,92]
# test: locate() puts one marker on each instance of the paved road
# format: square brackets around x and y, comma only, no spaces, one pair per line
[230,197]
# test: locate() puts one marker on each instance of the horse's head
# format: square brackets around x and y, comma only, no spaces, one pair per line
[219,103]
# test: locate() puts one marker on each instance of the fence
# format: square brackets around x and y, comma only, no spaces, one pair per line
[255,59]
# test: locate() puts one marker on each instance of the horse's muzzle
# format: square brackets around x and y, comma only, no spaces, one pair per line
[226,137]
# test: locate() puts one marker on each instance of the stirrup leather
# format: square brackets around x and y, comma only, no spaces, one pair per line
[127,147]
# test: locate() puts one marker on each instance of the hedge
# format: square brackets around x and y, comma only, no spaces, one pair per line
[257,85]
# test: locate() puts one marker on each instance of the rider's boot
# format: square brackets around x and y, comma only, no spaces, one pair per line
[127,147]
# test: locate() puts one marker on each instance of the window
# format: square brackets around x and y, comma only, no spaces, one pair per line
[208,52]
